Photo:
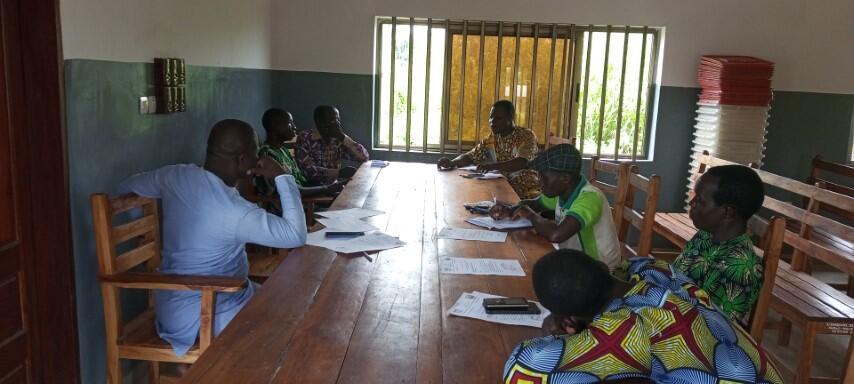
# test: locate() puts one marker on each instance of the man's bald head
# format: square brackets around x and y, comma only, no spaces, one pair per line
[231,137]
[232,150]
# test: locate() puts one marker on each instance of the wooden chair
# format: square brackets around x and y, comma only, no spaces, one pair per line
[616,191]
[139,240]
[625,215]
[836,172]
[770,246]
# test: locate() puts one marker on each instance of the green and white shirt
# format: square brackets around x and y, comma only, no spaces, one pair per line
[598,235]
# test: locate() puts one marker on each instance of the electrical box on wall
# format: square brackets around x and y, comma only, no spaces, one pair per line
[170,78]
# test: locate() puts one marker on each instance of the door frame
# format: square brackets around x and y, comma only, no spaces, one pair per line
[36,102]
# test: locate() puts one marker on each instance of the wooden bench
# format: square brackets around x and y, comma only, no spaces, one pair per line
[814,305]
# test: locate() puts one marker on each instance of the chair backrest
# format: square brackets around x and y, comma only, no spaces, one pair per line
[140,236]
[770,235]
[598,168]
[642,220]
[836,172]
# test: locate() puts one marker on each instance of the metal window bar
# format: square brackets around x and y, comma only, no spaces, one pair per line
[427,84]
[480,80]
[638,101]
[622,91]
[391,85]
[589,42]
[602,104]
[462,86]
[547,130]
[570,84]
[409,84]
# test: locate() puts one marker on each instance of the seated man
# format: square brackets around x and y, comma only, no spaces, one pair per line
[206,225]
[582,215]
[320,150]
[506,150]
[720,257]
[657,325]
[280,128]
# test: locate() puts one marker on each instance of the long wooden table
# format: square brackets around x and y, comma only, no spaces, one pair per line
[328,318]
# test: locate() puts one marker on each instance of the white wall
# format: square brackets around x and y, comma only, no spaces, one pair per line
[228,33]
[812,42]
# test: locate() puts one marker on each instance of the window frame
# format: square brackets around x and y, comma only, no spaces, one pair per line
[569,129]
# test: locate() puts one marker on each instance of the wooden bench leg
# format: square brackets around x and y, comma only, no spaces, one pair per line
[784,332]
[848,369]
[154,372]
[850,286]
[807,351]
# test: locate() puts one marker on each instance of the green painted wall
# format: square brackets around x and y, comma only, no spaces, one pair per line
[108,140]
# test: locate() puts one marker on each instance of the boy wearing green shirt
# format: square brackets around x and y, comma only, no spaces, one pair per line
[582,214]
[720,257]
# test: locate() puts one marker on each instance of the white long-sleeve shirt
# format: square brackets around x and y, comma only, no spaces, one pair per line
[206,225]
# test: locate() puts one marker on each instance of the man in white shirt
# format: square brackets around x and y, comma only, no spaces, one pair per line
[206,224]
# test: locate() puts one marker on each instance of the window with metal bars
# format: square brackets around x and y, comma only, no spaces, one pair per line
[436,81]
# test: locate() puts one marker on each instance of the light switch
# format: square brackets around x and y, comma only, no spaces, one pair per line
[144,105]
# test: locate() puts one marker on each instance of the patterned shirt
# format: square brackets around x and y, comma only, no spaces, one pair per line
[522,142]
[315,156]
[285,159]
[664,329]
[729,271]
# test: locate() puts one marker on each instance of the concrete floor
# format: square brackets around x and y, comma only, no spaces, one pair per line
[830,352]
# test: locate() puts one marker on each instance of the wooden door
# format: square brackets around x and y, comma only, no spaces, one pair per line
[38,333]
[15,353]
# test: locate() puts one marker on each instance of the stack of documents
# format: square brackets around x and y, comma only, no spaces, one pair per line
[350,220]
[379,163]
[483,176]
[472,234]
[468,266]
[470,304]
[489,222]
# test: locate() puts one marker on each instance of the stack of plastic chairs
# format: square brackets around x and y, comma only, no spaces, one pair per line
[732,113]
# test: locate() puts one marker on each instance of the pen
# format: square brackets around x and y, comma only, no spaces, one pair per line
[367,256]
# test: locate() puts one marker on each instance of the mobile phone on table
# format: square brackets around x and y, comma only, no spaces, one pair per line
[510,306]
[343,234]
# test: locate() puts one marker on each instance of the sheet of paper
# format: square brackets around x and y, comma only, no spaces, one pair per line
[488,222]
[470,304]
[467,266]
[483,176]
[379,163]
[347,225]
[351,213]
[374,241]
[472,234]
[470,168]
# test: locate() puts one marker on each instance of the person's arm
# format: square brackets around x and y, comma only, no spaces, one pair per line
[354,151]
[585,211]
[323,190]
[288,231]
[501,210]
[511,165]
[145,184]
[306,163]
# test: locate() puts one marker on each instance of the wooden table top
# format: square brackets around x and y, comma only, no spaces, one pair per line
[327,318]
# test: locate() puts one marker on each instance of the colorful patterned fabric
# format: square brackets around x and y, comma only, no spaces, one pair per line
[664,329]
[522,142]
[729,271]
[315,156]
[598,234]
[285,159]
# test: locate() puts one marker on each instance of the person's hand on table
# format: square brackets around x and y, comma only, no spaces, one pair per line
[445,164]
[334,188]
[346,172]
[500,211]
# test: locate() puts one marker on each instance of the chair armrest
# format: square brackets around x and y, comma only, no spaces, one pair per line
[152,280]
